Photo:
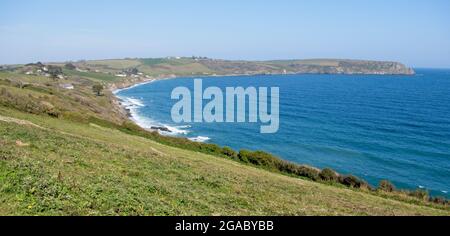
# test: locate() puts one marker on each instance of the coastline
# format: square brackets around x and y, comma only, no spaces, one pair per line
[130,110]
[129,107]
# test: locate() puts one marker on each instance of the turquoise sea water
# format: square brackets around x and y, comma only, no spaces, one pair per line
[373,126]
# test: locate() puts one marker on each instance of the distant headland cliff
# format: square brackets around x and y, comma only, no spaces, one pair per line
[203,66]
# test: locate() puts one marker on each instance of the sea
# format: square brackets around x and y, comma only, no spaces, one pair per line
[376,127]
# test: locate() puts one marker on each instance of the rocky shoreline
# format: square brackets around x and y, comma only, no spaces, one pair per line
[120,103]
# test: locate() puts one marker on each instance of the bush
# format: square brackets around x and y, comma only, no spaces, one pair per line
[328,175]
[54,71]
[353,181]
[258,158]
[209,148]
[70,66]
[439,200]
[420,194]
[287,167]
[308,172]
[27,103]
[386,186]
[97,88]
[19,84]
[227,151]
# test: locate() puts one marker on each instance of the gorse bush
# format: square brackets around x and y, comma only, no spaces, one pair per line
[70,66]
[258,158]
[420,194]
[352,181]
[308,172]
[328,175]
[439,200]
[97,89]
[227,151]
[386,186]
[268,161]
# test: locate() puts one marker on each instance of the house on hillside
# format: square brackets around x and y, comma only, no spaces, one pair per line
[121,75]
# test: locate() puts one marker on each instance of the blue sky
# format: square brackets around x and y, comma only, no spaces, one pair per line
[416,33]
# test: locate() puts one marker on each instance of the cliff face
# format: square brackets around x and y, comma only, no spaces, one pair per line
[373,67]
[316,66]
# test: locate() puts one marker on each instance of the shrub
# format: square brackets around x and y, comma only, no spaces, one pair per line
[329,175]
[439,200]
[420,194]
[308,172]
[287,167]
[227,151]
[209,148]
[97,88]
[352,181]
[243,154]
[19,84]
[258,158]
[54,71]
[70,66]
[386,186]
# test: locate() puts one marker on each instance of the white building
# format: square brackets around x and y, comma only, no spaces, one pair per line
[121,75]
[67,86]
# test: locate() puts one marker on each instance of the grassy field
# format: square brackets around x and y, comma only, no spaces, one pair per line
[50,166]
[93,75]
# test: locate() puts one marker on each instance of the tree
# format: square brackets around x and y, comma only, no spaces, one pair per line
[131,71]
[70,66]
[54,71]
[97,88]
[328,174]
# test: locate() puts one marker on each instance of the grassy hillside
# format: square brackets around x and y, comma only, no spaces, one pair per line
[50,166]
[204,66]
[70,152]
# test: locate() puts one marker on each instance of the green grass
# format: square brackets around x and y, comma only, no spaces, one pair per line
[69,168]
[180,67]
[117,64]
[92,75]
[14,76]
[166,61]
